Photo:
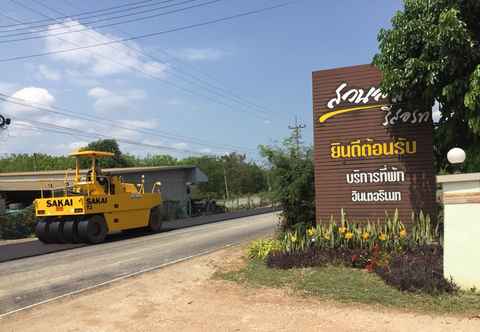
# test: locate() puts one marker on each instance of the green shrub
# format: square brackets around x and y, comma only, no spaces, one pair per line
[418,269]
[292,181]
[260,249]
[18,225]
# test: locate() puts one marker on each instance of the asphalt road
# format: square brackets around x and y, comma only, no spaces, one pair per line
[34,280]
[18,249]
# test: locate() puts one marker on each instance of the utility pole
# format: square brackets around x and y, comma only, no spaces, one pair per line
[296,132]
[34,162]
[227,194]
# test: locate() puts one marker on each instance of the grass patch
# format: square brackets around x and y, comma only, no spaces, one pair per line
[349,285]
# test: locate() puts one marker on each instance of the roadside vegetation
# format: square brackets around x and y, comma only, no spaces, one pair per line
[430,57]
[347,285]
[244,178]
[234,183]
[17,225]
[387,262]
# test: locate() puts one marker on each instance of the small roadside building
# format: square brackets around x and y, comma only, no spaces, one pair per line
[22,188]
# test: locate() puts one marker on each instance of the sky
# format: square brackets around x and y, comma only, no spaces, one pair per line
[211,89]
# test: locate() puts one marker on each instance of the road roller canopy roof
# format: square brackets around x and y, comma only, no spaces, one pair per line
[90,153]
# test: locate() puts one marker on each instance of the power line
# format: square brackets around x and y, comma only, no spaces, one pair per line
[115,123]
[76,133]
[150,35]
[79,15]
[219,91]
[162,80]
[83,17]
[223,90]
[42,32]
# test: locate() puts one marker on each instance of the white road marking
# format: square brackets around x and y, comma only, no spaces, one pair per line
[133,274]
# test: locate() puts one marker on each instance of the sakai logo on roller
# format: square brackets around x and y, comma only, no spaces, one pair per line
[91,201]
[59,202]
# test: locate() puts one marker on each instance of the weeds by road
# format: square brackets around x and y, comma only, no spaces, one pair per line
[347,285]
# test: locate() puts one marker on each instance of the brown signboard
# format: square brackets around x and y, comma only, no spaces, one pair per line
[369,158]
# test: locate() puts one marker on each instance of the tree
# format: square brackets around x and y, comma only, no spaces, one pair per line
[243,178]
[107,145]
[35,162]
[432,54]
[292,174]
[211,166]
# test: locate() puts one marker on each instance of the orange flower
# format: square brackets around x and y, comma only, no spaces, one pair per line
[348,235]
[365,236]
[342,230]
[382,237]
[403,233]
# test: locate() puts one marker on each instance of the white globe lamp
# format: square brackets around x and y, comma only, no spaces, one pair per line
[456,157]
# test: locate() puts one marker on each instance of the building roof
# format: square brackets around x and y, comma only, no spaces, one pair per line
[113,171]
[31,181]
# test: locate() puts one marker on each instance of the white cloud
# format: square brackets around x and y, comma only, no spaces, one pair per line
[100,60]
[77,145]
[199,54]
[29,95]
[8,88]
[79,78]
[49,73]
[99,92]
[108,101]
[155,68]
[139,124]
[25,118]
[136,94]
[180,145]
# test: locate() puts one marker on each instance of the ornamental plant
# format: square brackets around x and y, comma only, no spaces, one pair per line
[260,249]
[391,235]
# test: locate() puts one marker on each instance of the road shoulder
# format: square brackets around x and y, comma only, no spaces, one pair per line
[185,297]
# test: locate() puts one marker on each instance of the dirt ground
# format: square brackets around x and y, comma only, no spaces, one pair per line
[183,297]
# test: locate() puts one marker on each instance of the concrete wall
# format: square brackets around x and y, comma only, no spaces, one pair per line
[461,197]
[173,183]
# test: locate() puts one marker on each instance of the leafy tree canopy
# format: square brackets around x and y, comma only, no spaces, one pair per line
[243,177]
[432,53]
[107,145]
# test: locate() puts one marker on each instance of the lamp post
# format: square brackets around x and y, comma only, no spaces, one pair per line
[456,157]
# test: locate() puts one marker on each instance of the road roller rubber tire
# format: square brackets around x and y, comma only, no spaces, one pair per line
[155,221]
[55,231]
[70,231]
[93,230]
[41,231]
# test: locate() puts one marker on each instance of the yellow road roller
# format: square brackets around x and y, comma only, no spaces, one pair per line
[94,205]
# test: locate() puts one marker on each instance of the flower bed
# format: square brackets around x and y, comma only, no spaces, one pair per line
[418,268]
[409,260]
